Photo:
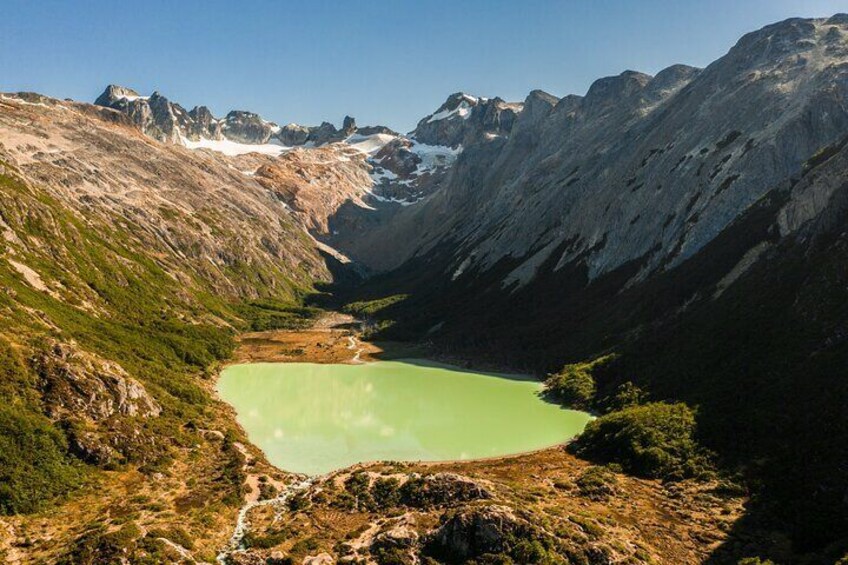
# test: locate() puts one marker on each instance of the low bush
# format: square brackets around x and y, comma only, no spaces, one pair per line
[34,465]
[625,396]
[655,440]
[367,308]
[597,483]
[574,385]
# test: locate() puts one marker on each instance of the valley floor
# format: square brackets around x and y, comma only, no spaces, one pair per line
[545,506]
[368,513]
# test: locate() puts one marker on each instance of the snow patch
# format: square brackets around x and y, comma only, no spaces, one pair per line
[369,144]
[233,148]
[463,110]
[378,176]
[383,199]
[133,97]
[435,156]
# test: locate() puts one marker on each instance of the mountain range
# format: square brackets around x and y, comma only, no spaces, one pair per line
[691,225]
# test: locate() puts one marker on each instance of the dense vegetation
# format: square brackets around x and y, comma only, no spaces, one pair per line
[649,439]
[109,297]
[34,463]
[574,385]
[655,440]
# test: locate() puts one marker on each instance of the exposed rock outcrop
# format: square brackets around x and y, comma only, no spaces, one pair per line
[76,384]
[472,532]
[247,127]
[641,168]
[465,119]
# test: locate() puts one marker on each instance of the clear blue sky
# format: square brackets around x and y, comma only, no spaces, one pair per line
[381,61]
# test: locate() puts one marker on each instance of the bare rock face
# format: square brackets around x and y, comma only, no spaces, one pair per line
[115,93]
[154,115]
[200,212]
[293,135]
[441,489]
[472,532]
[397,157]
[98,404]
[325,133]
[400,541]
[314,183]
[76,384]
[348,126]
[320,559]
[247,127]
[465,119]
[169,122]
[640,169]
[249,558]
[203,125]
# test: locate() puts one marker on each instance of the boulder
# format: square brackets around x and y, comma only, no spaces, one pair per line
[442,489]
[472,532]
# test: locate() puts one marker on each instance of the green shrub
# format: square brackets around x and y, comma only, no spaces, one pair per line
[34,465]
[530,551]
[625,396]
[574,385]
[266,541]
[358,486]
[175,534]
[386,492]
[298,502]
[100,546]
[655,440]
[597,483]
[366,308]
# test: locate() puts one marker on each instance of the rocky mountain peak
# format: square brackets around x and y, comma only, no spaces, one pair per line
[464,119]
[611,91]
[247,127]
[670,80]
[792,43]
[114,93]
[349,125]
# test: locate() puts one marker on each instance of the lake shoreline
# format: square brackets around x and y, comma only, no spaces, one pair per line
[515,478]
[325,342]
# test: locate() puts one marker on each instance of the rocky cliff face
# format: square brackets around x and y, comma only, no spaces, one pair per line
[169,122]
[693,222]
[465,119]
[641,168]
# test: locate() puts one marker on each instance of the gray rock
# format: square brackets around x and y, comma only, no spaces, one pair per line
[203,125]
[465,119]
[247,127]
[473,532]
[293,135]
[640,169]
[81,385]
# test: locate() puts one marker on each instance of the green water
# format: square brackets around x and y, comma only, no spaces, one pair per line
[312,418]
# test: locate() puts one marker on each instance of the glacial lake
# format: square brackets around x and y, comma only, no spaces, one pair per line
[313,418]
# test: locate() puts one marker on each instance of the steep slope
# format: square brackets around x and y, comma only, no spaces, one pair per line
[691,222]
[647,168]
[126,267]
[398,170]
